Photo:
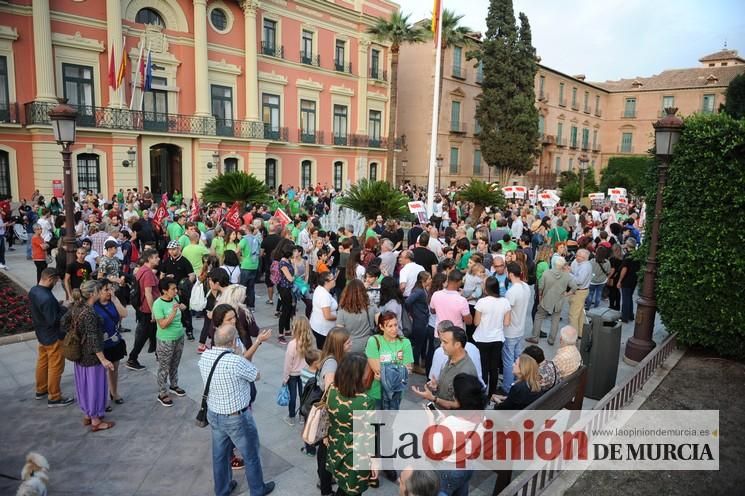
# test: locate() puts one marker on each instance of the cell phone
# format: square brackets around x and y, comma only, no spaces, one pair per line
[431,406]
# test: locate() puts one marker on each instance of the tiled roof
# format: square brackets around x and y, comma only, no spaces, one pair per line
[721,55]
[677,79]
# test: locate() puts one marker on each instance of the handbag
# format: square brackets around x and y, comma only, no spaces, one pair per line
[197,300]
[283,395]
[72,344]
[202,414]
[317,424]
[301,286]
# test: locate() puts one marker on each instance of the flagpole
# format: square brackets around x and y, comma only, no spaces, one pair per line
[142,93]
[137,78]
[435,115]
[122,93]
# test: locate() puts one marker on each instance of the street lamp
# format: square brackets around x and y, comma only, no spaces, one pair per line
[215,162]
[440,159]
[666,134]
[63,118]
[404,163]
[131,157]
[583,160]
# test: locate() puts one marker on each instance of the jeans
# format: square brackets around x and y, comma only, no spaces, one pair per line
[455,482]
[627,304]
[491,359]
[295,385]
[248,279]
[49,367]
[418,340]
[596,294]
[2,249]
[511,349]
[239,430]
[145,330]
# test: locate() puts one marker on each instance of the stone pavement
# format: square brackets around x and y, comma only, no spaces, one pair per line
[153,449]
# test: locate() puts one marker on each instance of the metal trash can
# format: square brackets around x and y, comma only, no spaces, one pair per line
[600,347]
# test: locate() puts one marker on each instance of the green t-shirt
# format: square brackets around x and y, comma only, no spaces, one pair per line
[507,245]
[161,310]
[556,235]
[184,241]
[249,255]
[463,262]
[397,351]
[175,231]
[540,268]
[194,254]
[294,207]
[218,244]
[370,233]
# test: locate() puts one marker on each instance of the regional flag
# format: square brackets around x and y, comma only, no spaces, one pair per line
[148,81]
[436,13]
[233,217]
[122,67]
[112,67]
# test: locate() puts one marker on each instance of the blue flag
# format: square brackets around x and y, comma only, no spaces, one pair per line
[148,73]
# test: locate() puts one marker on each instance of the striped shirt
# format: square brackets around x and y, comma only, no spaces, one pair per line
[229,390]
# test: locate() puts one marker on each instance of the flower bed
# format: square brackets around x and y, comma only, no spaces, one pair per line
[15,314]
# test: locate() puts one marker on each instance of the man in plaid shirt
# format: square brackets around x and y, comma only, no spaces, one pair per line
[228,412]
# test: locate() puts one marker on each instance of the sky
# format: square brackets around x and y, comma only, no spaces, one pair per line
[614,39]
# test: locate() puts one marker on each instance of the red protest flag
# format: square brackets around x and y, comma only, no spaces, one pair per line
[283,218]
[233,217]
[160,214]
[194,208]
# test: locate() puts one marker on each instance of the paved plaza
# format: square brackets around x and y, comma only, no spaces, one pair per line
[156,450]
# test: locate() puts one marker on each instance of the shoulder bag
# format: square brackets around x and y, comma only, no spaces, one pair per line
[317,424]
[72,344]
[202,415]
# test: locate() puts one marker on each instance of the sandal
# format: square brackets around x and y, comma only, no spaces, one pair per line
[103,426]
[86,421]
[118,400]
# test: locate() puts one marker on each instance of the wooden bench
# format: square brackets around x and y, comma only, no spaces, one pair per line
[568,394]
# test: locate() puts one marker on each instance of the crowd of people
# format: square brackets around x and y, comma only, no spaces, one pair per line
[358,312]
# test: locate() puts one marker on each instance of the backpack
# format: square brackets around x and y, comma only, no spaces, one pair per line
[135,294]
[537,239]
[311,394]
[274,272]
[72,344]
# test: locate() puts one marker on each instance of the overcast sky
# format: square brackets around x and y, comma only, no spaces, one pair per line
[612,39]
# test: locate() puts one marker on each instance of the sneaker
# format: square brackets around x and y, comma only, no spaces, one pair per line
[165,401]
[125,329]
[201,348]
[41,396]
[237,463]
[282,340]
[3,266]
[269,302]
[290,421]
[268,487]
[134,365]
[189,336]
[177,391]
[60,402]
[310,452]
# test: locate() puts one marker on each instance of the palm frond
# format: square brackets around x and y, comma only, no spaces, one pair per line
[373,198]
[236,186]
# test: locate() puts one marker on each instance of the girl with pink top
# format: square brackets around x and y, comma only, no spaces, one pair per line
[301,343]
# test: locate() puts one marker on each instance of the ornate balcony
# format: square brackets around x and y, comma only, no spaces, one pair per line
[272,50]
[340,140]
[310,138]
[276,133]
[458,127]
[310,59]
[378,74]
[459,72]
[9,113]
[340,66]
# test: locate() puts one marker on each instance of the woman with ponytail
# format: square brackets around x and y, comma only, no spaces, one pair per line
[90,371]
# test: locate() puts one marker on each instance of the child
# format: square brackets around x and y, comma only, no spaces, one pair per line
[302,341]
[313,362]
[323,257]
[372,284]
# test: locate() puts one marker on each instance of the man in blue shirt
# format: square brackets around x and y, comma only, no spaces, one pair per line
[46,313]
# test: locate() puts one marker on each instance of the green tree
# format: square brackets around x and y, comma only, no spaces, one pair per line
[569,184]
[701,266]
[735,102]
[482,195]
[397,31]
[373,198]
[626,172]
[506,110]
[236,186]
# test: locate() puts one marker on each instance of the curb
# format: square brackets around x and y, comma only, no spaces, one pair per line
[17,338]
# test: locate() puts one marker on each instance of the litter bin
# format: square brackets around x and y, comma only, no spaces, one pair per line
[600,347]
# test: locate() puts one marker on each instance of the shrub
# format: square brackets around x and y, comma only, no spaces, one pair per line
[626,172]
[236,186]
[701,264]
[373,198]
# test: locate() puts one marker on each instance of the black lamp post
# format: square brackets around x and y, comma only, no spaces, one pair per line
[440,159]
[666,134]
[131,157]
[63,118]
[404,163]
[583,161]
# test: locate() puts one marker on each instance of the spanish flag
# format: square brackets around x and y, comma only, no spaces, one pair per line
[122,67]
[436,13]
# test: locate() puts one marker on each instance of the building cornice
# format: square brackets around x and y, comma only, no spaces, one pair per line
[77,41]
[341,90]
[8,33]
[309,84]
[224,67]
[272,77]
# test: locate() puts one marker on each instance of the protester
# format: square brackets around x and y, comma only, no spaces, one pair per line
[111,312]
[356,314]
[300,344]
[149,290]
[324,313]
[491,317]
[552,290]
[627,280]
[567,358]
[169,340]
[518,296]
[527,386]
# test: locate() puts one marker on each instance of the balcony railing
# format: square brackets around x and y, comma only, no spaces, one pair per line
[458,127]
[561,141]
[275,133]
[312,138]
[575,106]
[625,148]
[459,72]
[9,113]
[378,74]
[598,112]
[310,59]
[340,140]
[548,139]
[340,66]
[595,147]
[543,97]
[586,110]
[562,102]
[272,50]
[628,114]
[573,144]
[585,147]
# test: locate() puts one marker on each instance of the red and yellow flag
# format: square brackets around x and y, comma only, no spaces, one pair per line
[122,67]
[436,13]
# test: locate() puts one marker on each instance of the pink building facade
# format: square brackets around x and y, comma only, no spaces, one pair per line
[294,92]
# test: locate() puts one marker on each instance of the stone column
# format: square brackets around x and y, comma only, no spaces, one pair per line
[45,91]
[114,43]
[251,71]
[201,81]
[364,47]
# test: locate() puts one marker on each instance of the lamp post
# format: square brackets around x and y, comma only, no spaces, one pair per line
[666,134]
[131,157]
[63,118]
[583,160]
[404,163]
[440,159]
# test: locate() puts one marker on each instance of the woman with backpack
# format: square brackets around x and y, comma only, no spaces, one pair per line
[111,311]
[91,364]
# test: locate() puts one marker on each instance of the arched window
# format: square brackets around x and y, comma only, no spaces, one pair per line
[373,171]
[305,174]
[270,174]
[88,172]
[149,16]
[231,164]
[4,175]
[338,175]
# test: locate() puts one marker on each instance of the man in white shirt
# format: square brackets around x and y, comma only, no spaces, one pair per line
[409,272]
[387,258]
[517,226]
[518,295]
[439,359]
[303,238]
[434,245]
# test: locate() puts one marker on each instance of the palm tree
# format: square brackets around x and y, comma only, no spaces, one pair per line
[236,186]
[452,35]
[482,195]
[395,31]
[373,198]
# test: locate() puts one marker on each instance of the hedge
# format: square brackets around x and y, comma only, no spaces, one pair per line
[701,274]
[625,172]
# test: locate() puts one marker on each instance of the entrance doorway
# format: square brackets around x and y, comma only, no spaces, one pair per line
[165,169]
